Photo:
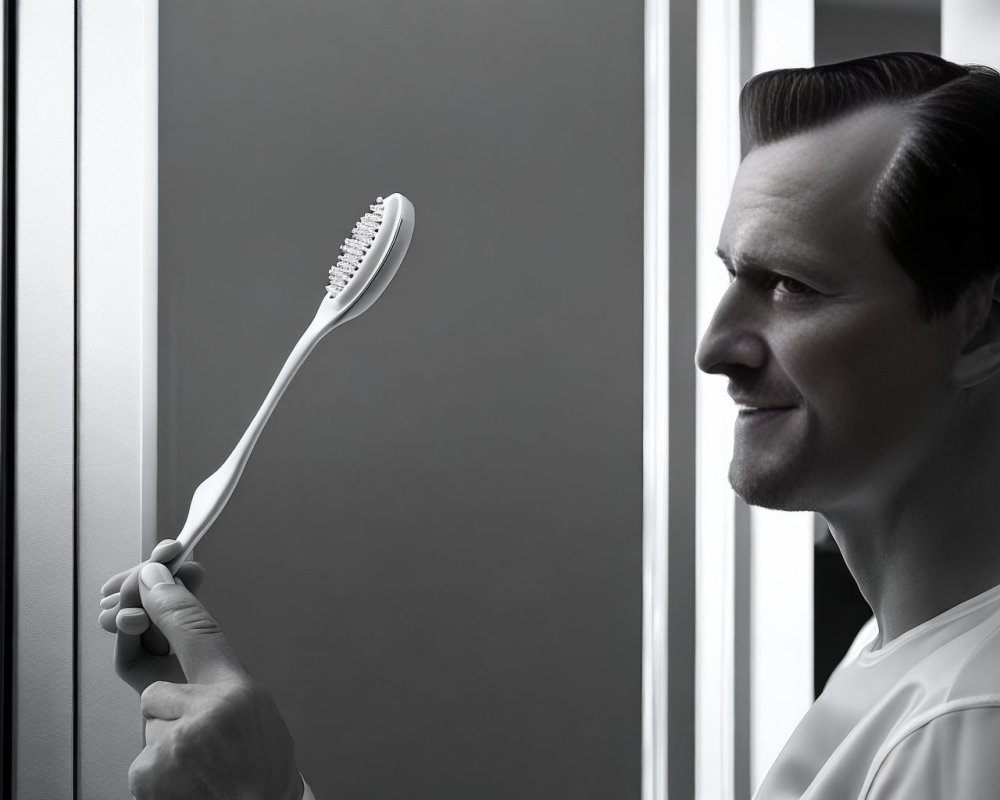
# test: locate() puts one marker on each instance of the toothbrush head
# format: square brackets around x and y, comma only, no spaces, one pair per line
[355,248]
[370,256]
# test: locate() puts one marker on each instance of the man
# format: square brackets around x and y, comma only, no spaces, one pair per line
[861,339]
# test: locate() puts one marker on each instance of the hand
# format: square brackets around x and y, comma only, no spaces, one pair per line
[218,736]
[122,612]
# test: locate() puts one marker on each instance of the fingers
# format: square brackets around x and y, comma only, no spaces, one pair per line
[139,668]
[107,619]
[164,700]
[224,739]
[129,591]
[190,574]
[133,664]
[155,642]
[132,621]
[114,583]
[201,648]
[109,610]
[165,550]
[142,652]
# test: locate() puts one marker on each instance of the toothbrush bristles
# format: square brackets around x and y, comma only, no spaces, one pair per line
[354,248]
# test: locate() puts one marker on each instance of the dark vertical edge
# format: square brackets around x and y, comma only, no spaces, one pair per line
[742,663]
[76,399]
[746,51]
[820,534]
[7,403]
[742,544]
[683,58]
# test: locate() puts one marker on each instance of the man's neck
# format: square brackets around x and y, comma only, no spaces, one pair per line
[935,542]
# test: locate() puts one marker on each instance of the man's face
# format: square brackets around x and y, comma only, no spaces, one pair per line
[819,333]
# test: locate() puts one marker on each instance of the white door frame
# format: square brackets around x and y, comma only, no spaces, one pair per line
[44,665]
[753,567]
[85,386]
[85,379]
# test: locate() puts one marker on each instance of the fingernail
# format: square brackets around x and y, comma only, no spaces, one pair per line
[111,600]
[166,546]
[132,620]
[155,574]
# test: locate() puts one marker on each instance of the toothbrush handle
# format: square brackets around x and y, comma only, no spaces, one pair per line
[214,492]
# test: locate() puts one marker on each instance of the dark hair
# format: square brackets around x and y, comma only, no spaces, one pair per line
[937,207]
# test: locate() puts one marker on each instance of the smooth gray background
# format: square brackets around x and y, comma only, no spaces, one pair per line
[434,556]
[853,28]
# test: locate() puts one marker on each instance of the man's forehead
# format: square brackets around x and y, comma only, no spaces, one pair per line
[852,152]
[807,191]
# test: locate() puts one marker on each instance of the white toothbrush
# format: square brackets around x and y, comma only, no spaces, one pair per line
[369,258]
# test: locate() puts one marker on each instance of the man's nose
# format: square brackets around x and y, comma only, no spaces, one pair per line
[733,340]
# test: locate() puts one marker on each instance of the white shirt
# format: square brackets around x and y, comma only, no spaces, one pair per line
[917,719]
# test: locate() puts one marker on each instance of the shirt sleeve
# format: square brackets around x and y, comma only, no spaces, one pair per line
[306,791]
[955,755]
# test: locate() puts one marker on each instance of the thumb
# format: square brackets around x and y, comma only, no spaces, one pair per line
[198,642]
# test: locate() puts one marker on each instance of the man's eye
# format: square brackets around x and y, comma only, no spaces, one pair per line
[786,285]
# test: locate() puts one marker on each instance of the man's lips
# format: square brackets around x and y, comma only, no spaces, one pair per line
[751,409]
[748,404]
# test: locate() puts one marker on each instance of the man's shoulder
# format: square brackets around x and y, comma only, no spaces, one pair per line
[862,639]
[977,661]
[950,739]
[950,748]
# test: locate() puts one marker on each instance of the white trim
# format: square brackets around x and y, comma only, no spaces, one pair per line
[754,599]
[782,543]
[43,402]
[781,661]
[719,49]
[116,357]
[655,408]
[969,31]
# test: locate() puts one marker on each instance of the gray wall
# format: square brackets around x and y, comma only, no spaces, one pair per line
[434,556]
[852,28]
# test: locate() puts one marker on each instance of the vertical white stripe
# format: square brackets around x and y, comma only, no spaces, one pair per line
[970,31]
[781,625]
[655,411]
[116,356]
[718,158]
[43,403]
[781,658]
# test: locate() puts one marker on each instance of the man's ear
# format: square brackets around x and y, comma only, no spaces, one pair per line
[979,310]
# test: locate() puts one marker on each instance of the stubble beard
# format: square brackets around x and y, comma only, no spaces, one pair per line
[781,483]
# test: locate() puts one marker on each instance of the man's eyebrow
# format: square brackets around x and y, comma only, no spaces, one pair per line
[746,263]
[751,263]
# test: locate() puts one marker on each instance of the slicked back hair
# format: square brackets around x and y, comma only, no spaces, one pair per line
[937,207]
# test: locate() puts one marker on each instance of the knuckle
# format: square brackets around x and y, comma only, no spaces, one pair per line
[161,767]
[231,698]
[178,610]
[150,695]
[185,743]
[226,707]
[247,692]
[141,776]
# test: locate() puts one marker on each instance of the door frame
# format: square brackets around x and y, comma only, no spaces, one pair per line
[78,381]
[84,380]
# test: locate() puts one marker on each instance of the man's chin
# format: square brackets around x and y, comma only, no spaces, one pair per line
[781,492]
